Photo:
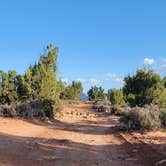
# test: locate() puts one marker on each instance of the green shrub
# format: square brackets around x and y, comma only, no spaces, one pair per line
[163,117]
[141,118]
[48,108]
[96,93]
[116,96]
[119,110]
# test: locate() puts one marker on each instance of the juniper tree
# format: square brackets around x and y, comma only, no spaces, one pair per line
[145,87]
[96,93]
[115,96]
[72,92]
[8,89]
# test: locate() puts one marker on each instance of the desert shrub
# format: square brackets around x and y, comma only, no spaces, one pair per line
[24,110]
[141,118]
[39,109]
[31,109]
[119,110]
[102,106]
[7,111]
[163,117]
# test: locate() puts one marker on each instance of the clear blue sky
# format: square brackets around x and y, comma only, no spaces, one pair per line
[100,41]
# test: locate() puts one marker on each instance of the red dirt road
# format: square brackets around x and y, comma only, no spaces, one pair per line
[79,137]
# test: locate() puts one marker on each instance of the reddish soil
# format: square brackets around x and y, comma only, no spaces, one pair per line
[79,137]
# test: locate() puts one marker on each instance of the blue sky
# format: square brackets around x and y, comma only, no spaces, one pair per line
[100,41]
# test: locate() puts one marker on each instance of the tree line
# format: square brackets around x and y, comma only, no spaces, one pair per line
[39,82]
[143,88]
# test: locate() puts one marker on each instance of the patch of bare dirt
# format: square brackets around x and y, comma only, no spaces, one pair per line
[78,137]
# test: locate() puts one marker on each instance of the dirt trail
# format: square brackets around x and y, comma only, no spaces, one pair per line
[79,137]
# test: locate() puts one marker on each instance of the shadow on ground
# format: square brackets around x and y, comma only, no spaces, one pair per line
[27,151]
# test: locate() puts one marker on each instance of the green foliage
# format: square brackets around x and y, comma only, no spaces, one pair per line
[8,89]
[60,87]
[39,82]
[24,89]
[48,108]
[47,68]
[164,82]
[96,93]
[115,96]
[77,86]
[144,88]
[72,92]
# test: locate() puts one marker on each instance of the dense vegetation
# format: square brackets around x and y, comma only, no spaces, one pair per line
[39,84]
[96,93]
[141,103]
[72,92]
[146,87]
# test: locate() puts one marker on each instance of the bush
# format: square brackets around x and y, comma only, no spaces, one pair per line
[31,109]
[39,109]
[102,106]
[116,96]
[24,110]
[119,110]
[96,93]
[141,118]
[48,108]
[163,117]
[7,111]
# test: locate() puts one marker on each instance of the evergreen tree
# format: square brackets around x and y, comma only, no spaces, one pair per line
[116,96]
[96,93]
[47,70]
[23,89]
[8,89]
[144,88]
[72,92]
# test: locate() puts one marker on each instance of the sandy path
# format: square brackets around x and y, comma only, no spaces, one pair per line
[79,137]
